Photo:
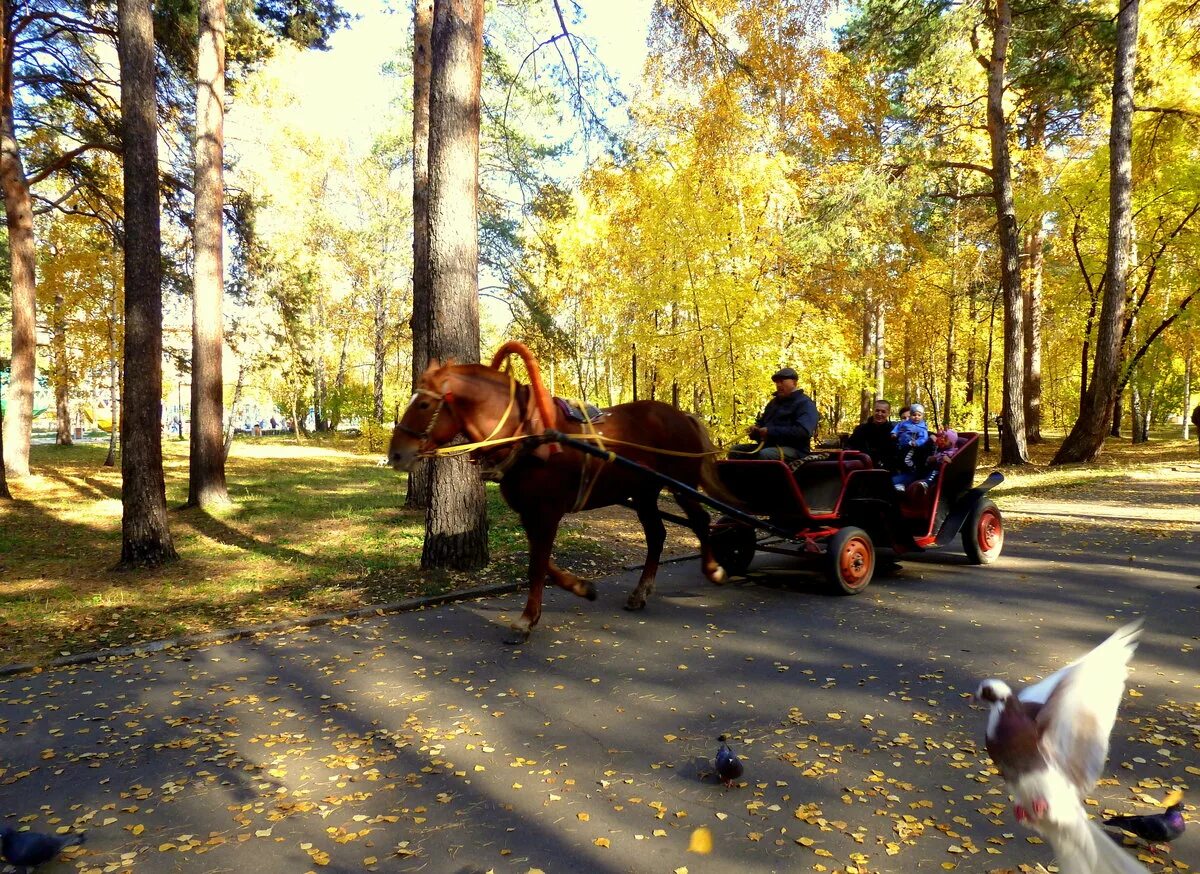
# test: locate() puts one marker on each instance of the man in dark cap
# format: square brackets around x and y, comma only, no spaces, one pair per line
[784,429]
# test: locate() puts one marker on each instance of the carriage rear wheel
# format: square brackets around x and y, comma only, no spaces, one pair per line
[983,535]
[850,560]
[733,545]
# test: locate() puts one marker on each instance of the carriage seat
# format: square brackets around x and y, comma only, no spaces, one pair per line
[777,489]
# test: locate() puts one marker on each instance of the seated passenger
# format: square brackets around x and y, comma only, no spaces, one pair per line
[785,427]
[913,446]
[945,444]
[874,436]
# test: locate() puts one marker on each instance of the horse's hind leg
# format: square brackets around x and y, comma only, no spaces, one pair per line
[656,536]
[573,584]
[699,521]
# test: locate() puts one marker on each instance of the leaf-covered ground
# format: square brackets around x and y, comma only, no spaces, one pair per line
[417,742]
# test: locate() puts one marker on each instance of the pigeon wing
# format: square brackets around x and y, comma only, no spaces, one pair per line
[1081,708]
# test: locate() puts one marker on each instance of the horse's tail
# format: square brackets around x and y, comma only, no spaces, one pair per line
[540,395]
[710,480]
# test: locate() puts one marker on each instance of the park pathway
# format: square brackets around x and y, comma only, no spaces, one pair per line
[417,742]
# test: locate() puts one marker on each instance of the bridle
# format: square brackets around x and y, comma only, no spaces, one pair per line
[423,436]
[445,399]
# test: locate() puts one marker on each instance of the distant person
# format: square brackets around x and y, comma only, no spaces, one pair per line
[784,429]
[874,436]
[274,424]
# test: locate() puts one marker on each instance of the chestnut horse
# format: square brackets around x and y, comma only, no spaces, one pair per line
[544,483]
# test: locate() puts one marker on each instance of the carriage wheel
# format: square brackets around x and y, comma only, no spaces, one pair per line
[850,560]
[733,545]
[983,535]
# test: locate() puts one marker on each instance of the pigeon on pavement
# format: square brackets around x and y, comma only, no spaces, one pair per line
[1155,828]
[729,766]
[1050,742]
[27,850]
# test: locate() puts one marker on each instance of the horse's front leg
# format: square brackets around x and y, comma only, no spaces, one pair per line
[699,521]
[656,536]
[540,533]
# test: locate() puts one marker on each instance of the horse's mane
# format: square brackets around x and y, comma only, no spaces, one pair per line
[540,395]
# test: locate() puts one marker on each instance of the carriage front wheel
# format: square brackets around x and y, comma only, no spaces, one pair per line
[733,545]
[850,560]
[983,535]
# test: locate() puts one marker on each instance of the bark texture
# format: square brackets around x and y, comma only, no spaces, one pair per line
[419,476]
[18,211]
[1086,439]
[456,520]
[1012,441]
[145,538]
[206,463]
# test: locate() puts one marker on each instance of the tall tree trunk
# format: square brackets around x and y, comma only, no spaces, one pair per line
[1035,242]
[380,349]
[456,521]
[145,538]
[237,399]
[1086,439]
[114,362]
[880,348]
[1187,395]
[62,373]
[419,478]
[1012,441]
[320,391]
[4,492]
[868,337]
[206,466]
[18,210]
[951,359]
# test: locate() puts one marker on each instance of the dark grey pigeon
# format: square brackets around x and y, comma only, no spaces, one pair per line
[729,766]
[1154,828]
[27,850]
[1050,742]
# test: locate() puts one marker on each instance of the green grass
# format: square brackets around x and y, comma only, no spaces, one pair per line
[310,529]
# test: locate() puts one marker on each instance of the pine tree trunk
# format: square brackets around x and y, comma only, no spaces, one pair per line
[206,466]
[62,374]
[456,521]
[114,366]
[145,538]
[880,349]
[419,478]
[1012,441]
[1035,244]
[1086,439]
[18,210]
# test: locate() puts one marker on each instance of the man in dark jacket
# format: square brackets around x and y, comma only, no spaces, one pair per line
[786,425]
[874,436]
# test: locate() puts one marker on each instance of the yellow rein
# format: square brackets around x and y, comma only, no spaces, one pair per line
[592,434]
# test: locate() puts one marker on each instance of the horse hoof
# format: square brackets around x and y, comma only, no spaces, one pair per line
[517,636]
[589,590]
[718,576]
[635,603]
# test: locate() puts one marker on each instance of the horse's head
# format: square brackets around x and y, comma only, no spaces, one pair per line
[428,422]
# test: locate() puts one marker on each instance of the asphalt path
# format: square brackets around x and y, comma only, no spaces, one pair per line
[419,742]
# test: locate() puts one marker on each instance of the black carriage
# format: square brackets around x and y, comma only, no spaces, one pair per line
[837,509]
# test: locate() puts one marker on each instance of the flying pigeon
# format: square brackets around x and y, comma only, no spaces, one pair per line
[27,850]
[729,766]
[1050,742]
[1154,828]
